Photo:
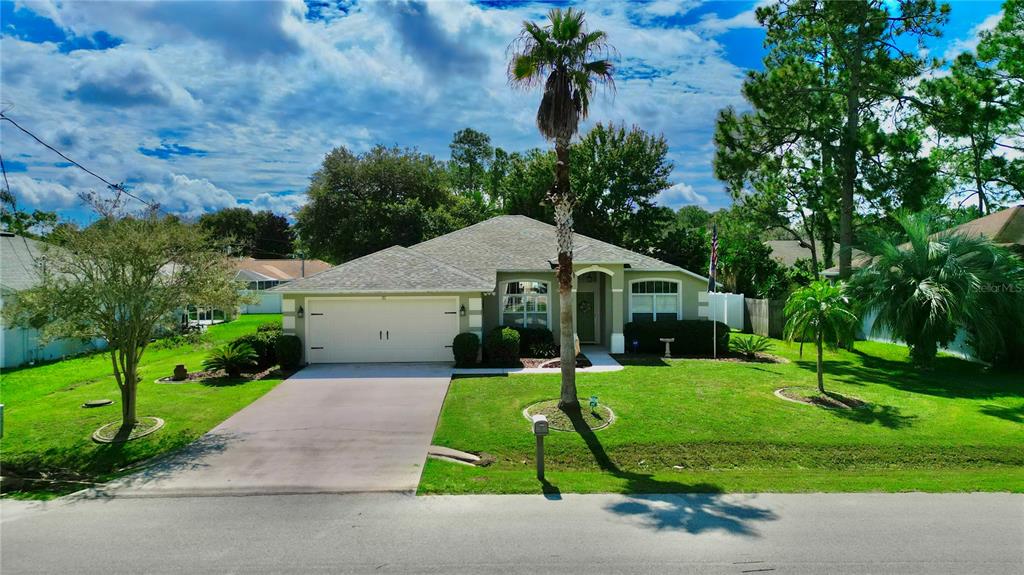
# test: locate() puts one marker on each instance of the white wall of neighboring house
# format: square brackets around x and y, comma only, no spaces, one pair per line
[958,346]
[21,346]
[721,306]
[266,302]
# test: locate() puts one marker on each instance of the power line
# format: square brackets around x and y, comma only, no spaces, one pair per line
[118,187]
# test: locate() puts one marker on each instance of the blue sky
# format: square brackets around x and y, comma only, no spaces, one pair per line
[205,105]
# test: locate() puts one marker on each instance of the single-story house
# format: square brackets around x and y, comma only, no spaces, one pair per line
[1005,228]
[406,304]
[261,275]
[18,271]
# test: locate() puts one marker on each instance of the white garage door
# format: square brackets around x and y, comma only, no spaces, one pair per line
[400,329]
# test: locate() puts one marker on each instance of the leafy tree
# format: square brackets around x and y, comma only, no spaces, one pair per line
[521,182]
[744,260]
[260,235]
[822,311]
[616,178]
[856,48]
[569,60]
[359,204]
[471,157]
[923,290]
[36,224]
[123,279]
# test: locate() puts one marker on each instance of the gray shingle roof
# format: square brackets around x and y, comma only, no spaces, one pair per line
[519,243]
[467,260]
[18,257]
[395,269]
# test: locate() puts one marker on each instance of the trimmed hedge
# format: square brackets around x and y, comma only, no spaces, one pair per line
[693,336]
[502,346]
[269,326]
[465,346]
[289,351]
[264,343]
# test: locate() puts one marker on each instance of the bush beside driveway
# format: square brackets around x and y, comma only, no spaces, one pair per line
[47,432]
[699,425]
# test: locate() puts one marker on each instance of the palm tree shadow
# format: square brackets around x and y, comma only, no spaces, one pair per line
[1014,414]
[693,508]
[885,415]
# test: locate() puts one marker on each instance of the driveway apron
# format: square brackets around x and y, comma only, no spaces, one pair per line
[335,428]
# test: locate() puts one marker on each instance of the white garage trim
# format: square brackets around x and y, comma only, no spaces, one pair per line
[414,350]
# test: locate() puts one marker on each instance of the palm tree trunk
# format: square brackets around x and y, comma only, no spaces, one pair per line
[821,367]
[563,223]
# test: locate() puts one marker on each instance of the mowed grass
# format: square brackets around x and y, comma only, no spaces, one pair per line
[48,433]
[693,425]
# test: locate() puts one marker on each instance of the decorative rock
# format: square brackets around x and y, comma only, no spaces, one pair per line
[97,402]
[180,373]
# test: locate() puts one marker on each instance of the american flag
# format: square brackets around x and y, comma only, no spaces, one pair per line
[714,258]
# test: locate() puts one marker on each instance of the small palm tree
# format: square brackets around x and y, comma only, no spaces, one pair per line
[822,311]
[924,289]
[232,358]
[570,62]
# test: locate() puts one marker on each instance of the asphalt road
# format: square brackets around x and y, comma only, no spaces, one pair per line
[392,533]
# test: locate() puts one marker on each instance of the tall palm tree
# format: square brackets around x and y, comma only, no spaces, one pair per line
[570,62]
[822,311]
[924,289]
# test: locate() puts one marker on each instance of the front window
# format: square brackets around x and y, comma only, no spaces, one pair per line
[525,304]
[654,300]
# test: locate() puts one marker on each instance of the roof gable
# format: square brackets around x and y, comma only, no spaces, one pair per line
[18,257]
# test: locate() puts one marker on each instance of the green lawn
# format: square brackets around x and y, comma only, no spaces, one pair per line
[47,432]
[692,425]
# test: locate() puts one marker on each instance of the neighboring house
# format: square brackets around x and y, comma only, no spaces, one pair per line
[1004,228]
[18,256]
[407,304]
[788,252]
[261,275]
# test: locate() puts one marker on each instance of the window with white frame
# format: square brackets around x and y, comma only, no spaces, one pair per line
[525,304]
[654,300]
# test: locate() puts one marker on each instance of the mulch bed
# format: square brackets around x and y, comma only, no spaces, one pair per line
[811,396]
[213,376]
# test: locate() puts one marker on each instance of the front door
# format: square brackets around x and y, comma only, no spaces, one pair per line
[586,316]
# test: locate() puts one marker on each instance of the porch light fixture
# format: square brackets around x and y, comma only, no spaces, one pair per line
[300,313]
[462,310]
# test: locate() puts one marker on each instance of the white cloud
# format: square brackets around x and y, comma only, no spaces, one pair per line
[970,44]
[41,194]
[264,118]
[681,194]
[281,204]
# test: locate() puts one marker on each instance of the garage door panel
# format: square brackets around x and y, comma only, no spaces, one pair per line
[382,330]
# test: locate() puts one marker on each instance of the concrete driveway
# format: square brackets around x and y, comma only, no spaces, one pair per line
[327,429]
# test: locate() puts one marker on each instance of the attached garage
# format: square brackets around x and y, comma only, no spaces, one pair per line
[381,329]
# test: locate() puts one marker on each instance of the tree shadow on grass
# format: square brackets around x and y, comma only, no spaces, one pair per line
[884,415]
[949,377]
[641,360]
[1014,414]
[693,508]
[189,458]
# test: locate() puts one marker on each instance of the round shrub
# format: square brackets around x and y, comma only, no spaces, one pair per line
[502,346]
[466,346]
[289,351]
[265,345]
[533,340]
